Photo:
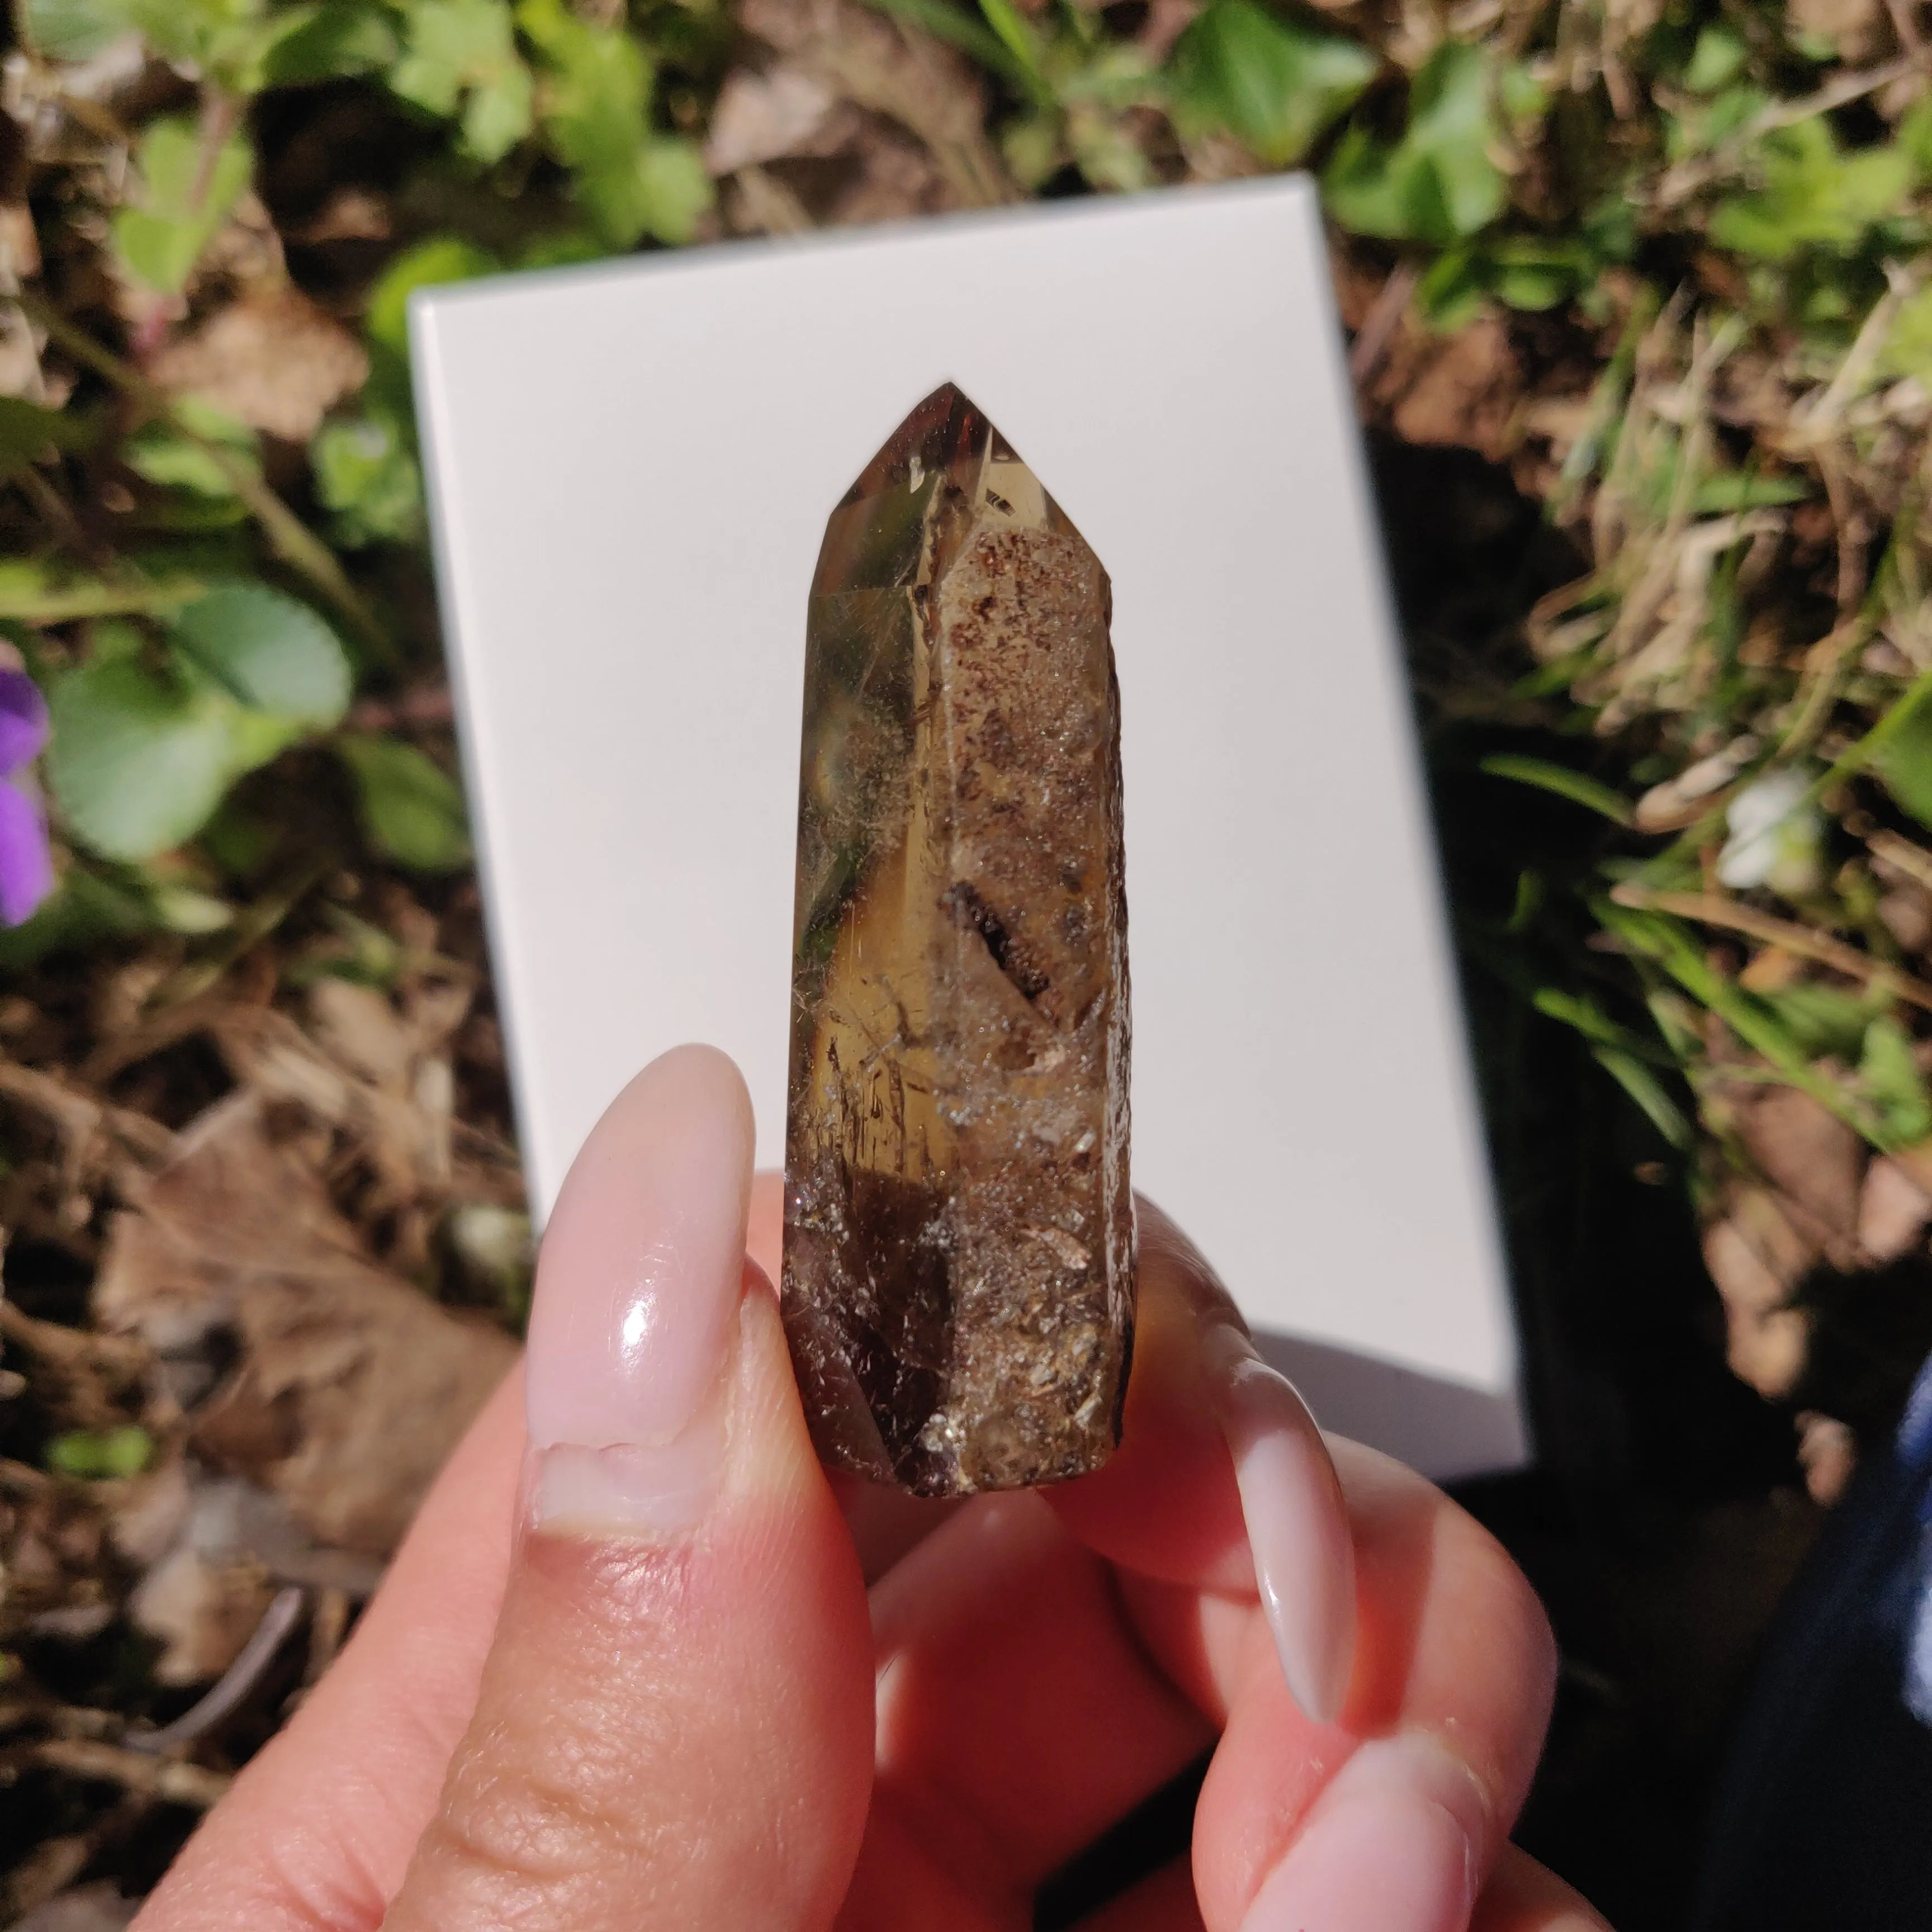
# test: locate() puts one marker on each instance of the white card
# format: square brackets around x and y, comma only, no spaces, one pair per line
[631,468]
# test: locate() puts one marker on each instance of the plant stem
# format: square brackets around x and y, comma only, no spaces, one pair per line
[1707,909]
[298,546]
[68,603]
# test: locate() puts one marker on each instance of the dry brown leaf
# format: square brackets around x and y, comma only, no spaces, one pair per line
[98,1140]
[1745,1281]
[1906,910]
[20,243]
[1893,1210]
[1806,1151]
[221,1556]
[1767,1351]
[1462,389]
[1768,1224]
[756,202]
[268,1052]
[1679,801]
[380,1077]
[893,176]
[349,214]
[1828,1453]
[435,1009]
[899,73]
[1856,28]
[202,1613]
[359,1026]
[53,1535]
[351,1387]
[1757,1256]
[766,116]
[87,1908]
[270,359]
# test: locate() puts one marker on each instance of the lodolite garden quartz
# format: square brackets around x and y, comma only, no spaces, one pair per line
[958,1284]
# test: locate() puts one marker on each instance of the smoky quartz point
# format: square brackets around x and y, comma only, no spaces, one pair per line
[959,1285]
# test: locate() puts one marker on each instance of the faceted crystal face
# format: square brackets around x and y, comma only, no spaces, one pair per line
[959,1236]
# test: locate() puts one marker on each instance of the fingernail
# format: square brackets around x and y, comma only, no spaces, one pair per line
[1298,1525]
[1385,1850]
[638,1284]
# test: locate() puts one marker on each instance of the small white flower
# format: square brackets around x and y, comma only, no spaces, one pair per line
[1777,839]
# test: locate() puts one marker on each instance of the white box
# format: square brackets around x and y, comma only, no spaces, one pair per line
[631,468]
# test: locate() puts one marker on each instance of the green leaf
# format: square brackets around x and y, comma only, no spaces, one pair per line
[72,30]
[412,810]
[1891,1077]
[1903,760]
[1573,785]
[336,40]
[1034,147]
[1106,152]
[1914,136]
[1716,61]
[366,472]
[1821,1020]
[164,455]
[1523,272]
[429,264]
[139,759]
[1016,35]
[1742,490]
[560,248]
[267,651]
[27,432]
[1699,126]
[1582,1013]
[223,40]
[181,909]
[1524,96]
[957,28]
[674,188]
[84,910]
[1908,343]
[1437,183]
[96,1454]
[1276,87]
[1675,948]
[181,194]
[1649,1092]
[33,592]
[462,60]
[596,110]
[136,763]
[237,44]
[1813,195]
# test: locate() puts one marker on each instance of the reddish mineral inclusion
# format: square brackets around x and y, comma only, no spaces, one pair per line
[959,1232]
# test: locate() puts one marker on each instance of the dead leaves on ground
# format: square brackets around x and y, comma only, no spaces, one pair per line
[350,1384]
[1797,1239]
[272,1273]
[838,118]
[271,359]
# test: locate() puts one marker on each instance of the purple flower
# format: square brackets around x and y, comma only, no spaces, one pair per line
[26,869]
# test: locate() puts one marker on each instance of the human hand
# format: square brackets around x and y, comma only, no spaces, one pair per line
[663,1700]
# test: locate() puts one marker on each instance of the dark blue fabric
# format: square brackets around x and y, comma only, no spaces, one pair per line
[1824,1820]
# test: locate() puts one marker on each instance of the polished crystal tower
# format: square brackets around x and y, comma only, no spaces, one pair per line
[959,1231]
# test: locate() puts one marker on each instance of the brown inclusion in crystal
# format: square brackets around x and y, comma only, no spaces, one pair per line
[959,1233]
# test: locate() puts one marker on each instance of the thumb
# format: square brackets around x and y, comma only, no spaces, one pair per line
[674,1727]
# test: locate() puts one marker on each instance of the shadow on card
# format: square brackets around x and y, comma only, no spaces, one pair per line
[1445,1429]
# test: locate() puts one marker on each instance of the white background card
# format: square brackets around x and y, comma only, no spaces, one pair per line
[631,466]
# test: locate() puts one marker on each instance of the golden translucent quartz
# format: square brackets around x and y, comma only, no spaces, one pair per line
[958,1281]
